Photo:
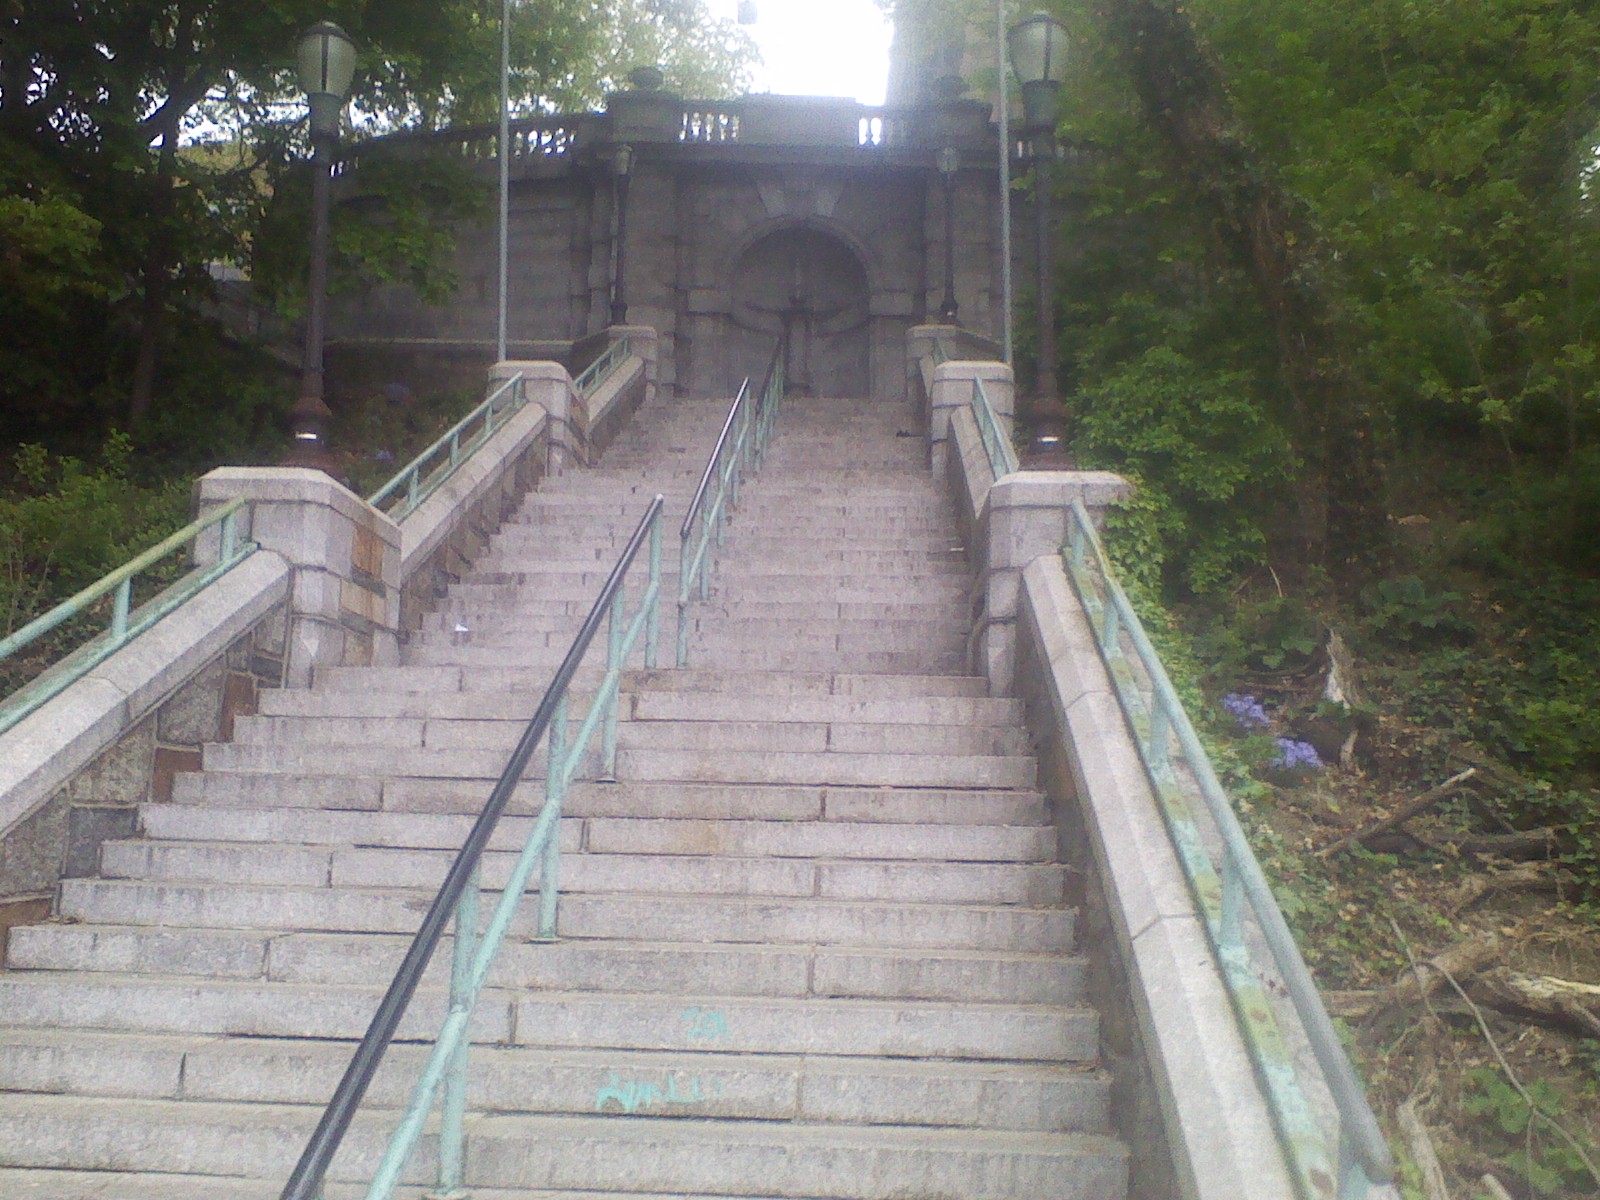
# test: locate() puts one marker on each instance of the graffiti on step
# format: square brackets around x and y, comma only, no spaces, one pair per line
[641,1095]
[705,1025]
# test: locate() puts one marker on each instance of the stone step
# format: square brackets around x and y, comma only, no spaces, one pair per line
[592,1153]
[634,798]
[947,659]
[603,835]
[683,1022]
[652,705]
[818,1089]
[805,921]
[567,966]
[707,765]
[568,614]
[436,680]
[634,733]
[665,872]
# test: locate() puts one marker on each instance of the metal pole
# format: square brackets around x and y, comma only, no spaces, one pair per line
[619,296]
[1045,386]
[1005,177]
[505,175]
[948,309]
[310,415]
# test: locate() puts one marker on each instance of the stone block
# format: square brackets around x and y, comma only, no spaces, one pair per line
[169,762]
[120,775]
[31,851]
[192,714]
[88,826]
[238,700]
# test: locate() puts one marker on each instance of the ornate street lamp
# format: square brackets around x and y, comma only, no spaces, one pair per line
[622,170]
[948,161]
[1038,51]
[326,60]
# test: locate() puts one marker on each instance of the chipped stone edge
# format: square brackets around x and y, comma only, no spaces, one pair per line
[1218,1124]
[45,749]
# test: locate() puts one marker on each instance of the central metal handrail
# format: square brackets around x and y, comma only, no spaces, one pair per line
[459,895]
[1224,889]
[743,440]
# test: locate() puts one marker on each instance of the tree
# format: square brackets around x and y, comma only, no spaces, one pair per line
[100,100]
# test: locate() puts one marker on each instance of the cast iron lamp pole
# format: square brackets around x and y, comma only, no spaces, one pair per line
[949,162]
[326,59]
[1038,49]
[622,165]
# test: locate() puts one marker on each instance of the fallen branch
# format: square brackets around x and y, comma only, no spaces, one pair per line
[1511,1077]
[1563,1002]
[1514,847]
[1421,1147]
[1533,877]
[1401,815]
[1496,1189]
[1420,980]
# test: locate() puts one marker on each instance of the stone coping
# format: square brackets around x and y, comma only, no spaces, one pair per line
[44,750]
[432,521]
[1218,1126]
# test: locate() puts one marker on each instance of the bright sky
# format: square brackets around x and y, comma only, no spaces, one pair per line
[820,47]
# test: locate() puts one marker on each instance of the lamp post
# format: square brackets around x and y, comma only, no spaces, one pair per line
[622,168]
[948,161]
[326,60]
[1038,51]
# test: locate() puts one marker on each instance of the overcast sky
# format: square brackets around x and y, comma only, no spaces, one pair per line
[819,47]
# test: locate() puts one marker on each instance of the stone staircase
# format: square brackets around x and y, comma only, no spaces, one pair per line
[814,942]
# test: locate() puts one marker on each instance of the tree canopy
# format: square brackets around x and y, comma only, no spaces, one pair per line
[141,141]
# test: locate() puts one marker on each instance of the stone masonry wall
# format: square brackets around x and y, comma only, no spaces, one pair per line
[62,837]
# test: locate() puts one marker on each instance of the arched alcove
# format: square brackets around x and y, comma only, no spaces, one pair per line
[810,282]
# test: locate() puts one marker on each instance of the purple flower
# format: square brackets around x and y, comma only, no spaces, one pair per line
[1246,710]
[1294,754]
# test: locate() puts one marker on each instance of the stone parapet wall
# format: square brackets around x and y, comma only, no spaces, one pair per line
[73,773]
[1182,1075]
[333,582]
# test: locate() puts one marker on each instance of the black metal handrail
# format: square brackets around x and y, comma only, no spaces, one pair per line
[305,1182]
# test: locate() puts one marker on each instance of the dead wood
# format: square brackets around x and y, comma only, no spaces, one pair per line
[1529,877]
[1496,1189]
[1412,808]
[1564,1003]
[1515,847]
[1461,961]
[1421,1147]
[1340,688]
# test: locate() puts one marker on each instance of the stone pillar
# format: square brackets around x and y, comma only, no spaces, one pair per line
[344,555]
[952,388]
[548,385]
[644,341]
[1026,516]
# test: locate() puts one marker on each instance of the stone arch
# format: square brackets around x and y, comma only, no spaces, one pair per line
[805,277]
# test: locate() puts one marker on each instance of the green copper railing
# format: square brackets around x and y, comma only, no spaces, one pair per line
[459,896]
[589,378]
[742,442]
[1226,880]
[996,443]
[425,473]
[124,622]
